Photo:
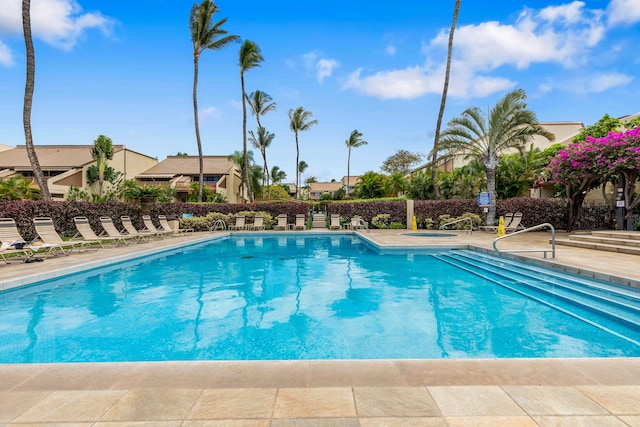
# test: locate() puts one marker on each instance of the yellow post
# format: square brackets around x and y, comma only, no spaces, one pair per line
[414,223]
[501,230]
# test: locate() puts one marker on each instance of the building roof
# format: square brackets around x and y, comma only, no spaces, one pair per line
[189,165]
[57,157]
[322,187]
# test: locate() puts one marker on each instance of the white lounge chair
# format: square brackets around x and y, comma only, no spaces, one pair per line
[258,223]
[131,230]
[86,232]
[54,244]
[334,223]
[111,230]
[282,222]
[164,226]
[300,222]
[240,223]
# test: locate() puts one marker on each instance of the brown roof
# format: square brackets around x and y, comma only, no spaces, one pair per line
[189,165]
[61,157]
[316,187]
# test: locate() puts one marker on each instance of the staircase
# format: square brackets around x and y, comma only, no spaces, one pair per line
[319,220]
[606,306]
[625,242]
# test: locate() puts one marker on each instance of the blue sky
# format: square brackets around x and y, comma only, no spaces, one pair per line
[125,69]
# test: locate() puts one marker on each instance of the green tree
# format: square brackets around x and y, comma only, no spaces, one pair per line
[238,159]
[17,188]
[277,175]
[509,124]
[299,121]
[420,186]
[355,140]
[28,101]
[102,152]
[260,103]
[302,166]
[262,142]
[205,35]
[443,101]
[249,57]
[396,184]
[402,161]
[599,129]
[370,186]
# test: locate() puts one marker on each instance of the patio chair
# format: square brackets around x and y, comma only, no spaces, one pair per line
[9,234]
[358,223]
[131,230]
[282,222]
[111,230]
[335,222]
[149,227]
[10,254]
[240,223]
[86,232]
[54,243]
[494,228]
[258,223]
[300,222]
[514,224]
[164,226]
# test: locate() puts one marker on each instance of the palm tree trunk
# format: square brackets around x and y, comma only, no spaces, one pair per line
[491,188]
[245,175]
[195,118]
[266,175]
[443,102]
[297,167]
[348,171]
[28,101]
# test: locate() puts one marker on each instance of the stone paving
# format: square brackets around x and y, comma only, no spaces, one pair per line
[486,392]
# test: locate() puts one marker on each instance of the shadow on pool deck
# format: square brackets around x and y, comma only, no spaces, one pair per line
[496,392]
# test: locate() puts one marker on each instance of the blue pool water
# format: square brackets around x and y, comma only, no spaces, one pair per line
[295,297]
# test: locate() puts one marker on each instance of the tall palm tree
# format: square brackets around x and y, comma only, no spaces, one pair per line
[102,151]
[355,140]
[443,101]
[260,103]
[277,175]
[299,121]
[509,125]
[302,166]
[28,101]
[241,161]
[205,34]
[249,57]
[261,142]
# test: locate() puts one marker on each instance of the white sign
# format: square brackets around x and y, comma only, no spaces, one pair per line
[620,203]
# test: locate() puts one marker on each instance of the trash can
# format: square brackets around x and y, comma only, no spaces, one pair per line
[631,223]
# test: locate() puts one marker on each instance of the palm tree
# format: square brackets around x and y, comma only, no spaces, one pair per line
[355,140]
[277,175]
[241,161]
[28,101]
[205,34]
[434,157]
[17,188]
[260,103]
[509,125]
[102,151]
[261,142]
[302,166]
[299,121]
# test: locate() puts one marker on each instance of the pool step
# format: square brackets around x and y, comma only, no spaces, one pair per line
[618,312]
[318,221]
[627,242]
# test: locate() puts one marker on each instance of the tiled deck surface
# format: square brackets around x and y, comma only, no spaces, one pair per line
[496,392]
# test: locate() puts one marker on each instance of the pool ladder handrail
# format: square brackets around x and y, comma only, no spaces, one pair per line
[469,231]
[219,223]
[535,227]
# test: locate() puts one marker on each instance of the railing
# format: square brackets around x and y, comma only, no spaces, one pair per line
[469,231]
[359,224]
[535,227]
[219,225]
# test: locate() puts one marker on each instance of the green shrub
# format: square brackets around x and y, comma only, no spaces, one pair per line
[396,226]
[381,221]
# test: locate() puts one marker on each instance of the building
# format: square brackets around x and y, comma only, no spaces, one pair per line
[317,189]
[66,165]
[349,186]
[179,172]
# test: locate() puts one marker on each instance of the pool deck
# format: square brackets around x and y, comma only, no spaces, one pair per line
[483,392]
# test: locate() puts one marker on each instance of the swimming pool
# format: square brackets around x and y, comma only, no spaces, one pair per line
[298,297]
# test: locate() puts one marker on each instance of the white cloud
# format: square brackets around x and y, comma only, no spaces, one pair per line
[6,58]
[209,112]
[623,12]
[325,68]
[58,22]
[390,50]
[602,82]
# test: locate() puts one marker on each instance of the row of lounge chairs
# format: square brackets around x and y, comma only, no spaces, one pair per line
[511,223]
[258,223]
[15,248]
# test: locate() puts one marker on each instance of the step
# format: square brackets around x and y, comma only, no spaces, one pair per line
[618,234]
[605,239]
[599,246]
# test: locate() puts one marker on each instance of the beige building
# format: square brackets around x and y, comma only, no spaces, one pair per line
[317,189]
[66,165]
[220,175]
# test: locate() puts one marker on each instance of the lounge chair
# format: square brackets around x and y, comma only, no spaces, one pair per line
[258,223]
[10,254]
[56,245]
[151,228]
[240,223]
[131,230]
[335,222]
[508,217]
[514,224]
[358,223]
[282,222]
[111,230]
[86,232]
[164,226]
[300,222]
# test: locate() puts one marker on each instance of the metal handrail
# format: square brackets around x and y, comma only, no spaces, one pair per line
[535,227]
[219,222]
[469,231]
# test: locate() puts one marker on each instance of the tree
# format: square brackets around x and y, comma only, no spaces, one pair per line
[261,142]
[17,188]
[238,159]
[420,186]
[395,184]
[299,121]
[370,186]
[599,129]
[28,101]
[402,161]
[260,103]
[302,166]
[434,157]
[355,140]
[277,175]
[102,151]
[249,57]
[205,34]
[508,125]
